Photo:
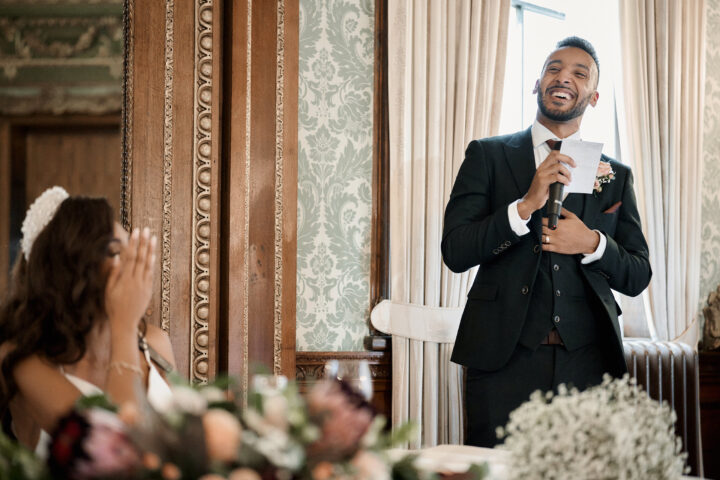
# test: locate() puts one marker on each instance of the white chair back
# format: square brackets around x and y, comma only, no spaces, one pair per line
[427,388]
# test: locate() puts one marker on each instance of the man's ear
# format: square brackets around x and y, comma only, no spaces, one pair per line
[594,98]
[537,85]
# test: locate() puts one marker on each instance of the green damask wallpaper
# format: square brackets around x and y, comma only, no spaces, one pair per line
[710,259]
[334,173]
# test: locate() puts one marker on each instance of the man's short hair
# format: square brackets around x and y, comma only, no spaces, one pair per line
[582,44]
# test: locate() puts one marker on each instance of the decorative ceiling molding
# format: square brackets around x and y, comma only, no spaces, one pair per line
[32,37]
[34,3]
[59,101]
[71,63]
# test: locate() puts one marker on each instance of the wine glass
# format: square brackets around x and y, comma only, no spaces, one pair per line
[269,384]
[356,373]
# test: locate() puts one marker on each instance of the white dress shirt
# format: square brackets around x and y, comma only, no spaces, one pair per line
[540,136]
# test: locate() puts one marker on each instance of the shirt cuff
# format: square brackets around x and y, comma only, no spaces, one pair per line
[598,253]
[518,225]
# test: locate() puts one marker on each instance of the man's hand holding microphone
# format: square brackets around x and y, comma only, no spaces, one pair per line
[570,235]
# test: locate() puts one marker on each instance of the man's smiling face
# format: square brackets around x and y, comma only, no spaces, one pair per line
[568,84]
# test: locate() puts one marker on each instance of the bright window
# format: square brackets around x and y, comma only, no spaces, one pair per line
[534,30]
[535,27]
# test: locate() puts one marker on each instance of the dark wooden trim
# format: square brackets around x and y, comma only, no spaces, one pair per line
[379,248]
[380,212]
[215,274]
[291,67]
[4,205]
[710,411]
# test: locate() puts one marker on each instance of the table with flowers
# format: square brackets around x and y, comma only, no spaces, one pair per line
[218,432]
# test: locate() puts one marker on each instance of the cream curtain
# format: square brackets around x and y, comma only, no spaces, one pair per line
[446,69]
[663,45]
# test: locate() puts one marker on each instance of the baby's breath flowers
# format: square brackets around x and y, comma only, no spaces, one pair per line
[611,431]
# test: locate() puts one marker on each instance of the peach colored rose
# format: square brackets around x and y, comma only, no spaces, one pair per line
[322,471]
[244,474]
[170,471]
[151,461]
[129,414]
[222,434]
[603,169]
[370,466]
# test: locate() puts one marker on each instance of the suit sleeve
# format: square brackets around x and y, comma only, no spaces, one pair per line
[475,231]
[625,263]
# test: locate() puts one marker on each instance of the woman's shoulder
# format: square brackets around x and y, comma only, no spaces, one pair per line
[159,340]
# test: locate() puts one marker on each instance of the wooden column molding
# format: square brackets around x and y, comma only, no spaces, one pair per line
[172,165]
[260,185]
[210,164]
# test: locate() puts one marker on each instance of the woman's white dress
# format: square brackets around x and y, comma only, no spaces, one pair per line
[158,394]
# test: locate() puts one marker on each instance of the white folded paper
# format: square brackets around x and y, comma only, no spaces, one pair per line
[587,158]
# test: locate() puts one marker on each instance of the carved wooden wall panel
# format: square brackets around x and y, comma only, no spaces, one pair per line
[260,97]
[172,151]
[216,179]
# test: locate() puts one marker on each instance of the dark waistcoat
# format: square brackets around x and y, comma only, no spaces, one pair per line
[561,299]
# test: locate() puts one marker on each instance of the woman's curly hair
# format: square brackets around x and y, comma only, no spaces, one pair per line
[58,294]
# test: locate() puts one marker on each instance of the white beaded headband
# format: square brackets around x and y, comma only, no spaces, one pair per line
[39,215]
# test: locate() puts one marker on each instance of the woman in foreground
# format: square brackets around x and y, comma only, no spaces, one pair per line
[71,323]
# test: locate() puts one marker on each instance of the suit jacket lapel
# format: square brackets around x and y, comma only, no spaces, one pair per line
[590,209]
[520,157]
[521,160]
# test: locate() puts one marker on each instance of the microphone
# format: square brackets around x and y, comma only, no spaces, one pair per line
[554,203]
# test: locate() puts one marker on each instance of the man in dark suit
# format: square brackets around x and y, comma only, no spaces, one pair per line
[540,311]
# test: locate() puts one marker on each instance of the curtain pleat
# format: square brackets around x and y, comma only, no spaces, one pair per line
[664,82]
[446,65]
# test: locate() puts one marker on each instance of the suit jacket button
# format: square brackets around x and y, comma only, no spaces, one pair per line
[536,249]
[556,267]
[525,290]
[496,251]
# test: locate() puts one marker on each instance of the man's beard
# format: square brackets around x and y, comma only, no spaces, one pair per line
[559,116]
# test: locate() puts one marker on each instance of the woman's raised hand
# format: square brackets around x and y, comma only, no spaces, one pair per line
[129,286]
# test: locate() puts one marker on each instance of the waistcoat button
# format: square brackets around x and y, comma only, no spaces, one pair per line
[525,290]
[556,319]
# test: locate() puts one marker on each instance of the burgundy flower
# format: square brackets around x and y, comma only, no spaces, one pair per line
[343,416]
[92,444]
[67,443]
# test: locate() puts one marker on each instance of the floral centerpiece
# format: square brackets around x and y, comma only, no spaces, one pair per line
[611,431]
[209,433]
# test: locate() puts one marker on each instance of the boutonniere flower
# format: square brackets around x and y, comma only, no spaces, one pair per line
[605,174]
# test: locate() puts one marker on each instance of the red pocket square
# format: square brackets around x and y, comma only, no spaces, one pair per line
[614,208]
